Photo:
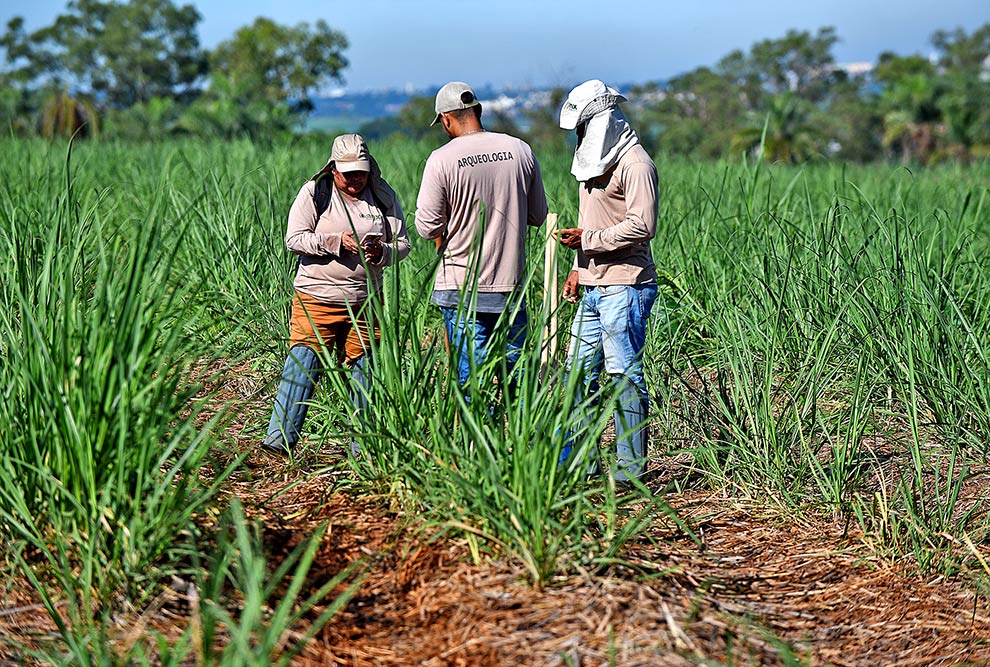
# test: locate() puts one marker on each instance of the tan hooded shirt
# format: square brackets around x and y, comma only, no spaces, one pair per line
[618,213]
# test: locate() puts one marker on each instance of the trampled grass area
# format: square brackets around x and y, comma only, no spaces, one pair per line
[819,356]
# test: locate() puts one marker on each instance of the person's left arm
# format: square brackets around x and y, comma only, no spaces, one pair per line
[536,198]
[640,222]
[398,247]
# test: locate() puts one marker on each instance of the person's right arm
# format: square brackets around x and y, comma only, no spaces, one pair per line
[431,204]
[301,236]
[572,286]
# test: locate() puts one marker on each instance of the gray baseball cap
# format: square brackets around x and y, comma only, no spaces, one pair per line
[453,96]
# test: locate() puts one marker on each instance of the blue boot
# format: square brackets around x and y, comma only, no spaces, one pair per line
[360,397]
[299,377]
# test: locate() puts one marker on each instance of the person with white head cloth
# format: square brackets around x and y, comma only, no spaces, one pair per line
[614,279]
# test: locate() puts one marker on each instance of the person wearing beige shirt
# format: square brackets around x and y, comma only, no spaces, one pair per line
[614,277]
[480,193]
[345,226]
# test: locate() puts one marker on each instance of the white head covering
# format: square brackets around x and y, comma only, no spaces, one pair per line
[607,135]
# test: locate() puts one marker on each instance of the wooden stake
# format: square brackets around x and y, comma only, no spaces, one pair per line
[551,296]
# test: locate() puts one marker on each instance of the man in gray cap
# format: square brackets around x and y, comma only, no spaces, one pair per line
[617,218]
[480,191]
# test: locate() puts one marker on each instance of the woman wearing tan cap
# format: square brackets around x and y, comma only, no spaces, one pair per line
[346,226]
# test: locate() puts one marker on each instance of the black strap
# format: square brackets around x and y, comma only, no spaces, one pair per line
[323,192]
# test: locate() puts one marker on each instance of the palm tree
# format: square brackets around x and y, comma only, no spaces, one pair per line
[63,115]
[783,134]
[910,96]
[915,139]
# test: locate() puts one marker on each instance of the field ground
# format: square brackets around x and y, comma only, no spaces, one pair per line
[819,364]
[760,586]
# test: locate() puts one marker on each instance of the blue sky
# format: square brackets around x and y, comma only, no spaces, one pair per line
[395,43]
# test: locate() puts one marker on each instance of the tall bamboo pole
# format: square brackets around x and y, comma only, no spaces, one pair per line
[551,295]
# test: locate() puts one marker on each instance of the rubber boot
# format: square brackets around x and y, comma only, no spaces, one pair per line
[360,397]
[299,377]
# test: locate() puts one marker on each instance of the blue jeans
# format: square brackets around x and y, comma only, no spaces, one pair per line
[609,331]
[470,338]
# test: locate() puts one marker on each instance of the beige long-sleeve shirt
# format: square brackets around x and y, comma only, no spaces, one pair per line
[618,213]
[327,271]
[479,192]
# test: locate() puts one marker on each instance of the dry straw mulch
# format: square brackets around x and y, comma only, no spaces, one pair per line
[758,588]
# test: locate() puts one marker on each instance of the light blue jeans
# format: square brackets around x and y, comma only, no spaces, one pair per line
[609,332]
[470,338]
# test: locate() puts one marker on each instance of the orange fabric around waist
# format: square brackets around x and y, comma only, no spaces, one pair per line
[344,332]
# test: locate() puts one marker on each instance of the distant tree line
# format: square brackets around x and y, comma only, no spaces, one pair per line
[791,97]
[789,100]
[136,70]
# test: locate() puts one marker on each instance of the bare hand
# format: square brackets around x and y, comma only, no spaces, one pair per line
[570,237]
[571,287]
[348,242]
[372,249]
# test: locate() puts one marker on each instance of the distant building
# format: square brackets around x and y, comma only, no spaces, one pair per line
[855,69]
